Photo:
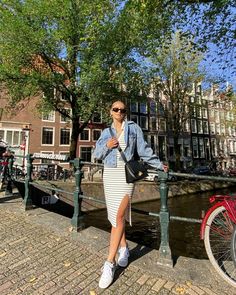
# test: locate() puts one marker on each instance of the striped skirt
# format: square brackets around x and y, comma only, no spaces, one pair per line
[115,189]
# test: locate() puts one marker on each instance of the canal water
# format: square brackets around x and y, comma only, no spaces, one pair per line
[184,237]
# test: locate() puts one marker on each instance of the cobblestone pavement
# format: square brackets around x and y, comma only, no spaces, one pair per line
[40,255]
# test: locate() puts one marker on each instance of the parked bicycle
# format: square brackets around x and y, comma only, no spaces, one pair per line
[218,230]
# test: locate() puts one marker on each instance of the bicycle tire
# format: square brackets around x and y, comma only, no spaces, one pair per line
[233,246]
[218,236]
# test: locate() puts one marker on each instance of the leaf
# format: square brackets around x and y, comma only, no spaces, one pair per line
[67,264]
[32,279]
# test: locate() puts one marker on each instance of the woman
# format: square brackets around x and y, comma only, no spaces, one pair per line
[118,193]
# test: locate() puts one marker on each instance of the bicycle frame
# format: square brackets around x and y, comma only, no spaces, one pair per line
[229,202]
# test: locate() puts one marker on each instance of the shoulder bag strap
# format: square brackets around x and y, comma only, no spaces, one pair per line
[119,148]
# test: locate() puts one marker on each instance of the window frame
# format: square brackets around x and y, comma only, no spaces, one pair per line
[63,128]
[53,136]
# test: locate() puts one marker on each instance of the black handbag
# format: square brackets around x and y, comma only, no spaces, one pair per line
[134,169]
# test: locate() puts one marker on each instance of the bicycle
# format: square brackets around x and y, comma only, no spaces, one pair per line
[218,230]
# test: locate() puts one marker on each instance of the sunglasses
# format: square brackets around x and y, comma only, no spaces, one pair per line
[116,110]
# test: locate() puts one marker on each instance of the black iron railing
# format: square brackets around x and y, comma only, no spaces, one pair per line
[165,257]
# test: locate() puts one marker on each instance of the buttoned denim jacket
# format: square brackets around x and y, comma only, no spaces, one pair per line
[134,139]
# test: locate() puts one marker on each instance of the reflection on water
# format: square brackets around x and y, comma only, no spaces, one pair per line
[184,236]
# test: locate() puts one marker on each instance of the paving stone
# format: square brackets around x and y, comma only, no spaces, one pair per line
[35,260]
[142,280]
[169,285]
[158,285]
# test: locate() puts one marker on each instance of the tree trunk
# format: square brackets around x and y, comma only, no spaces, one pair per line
[177,153]
[74,138]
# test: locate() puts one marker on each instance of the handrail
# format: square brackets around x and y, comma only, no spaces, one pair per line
[165,257]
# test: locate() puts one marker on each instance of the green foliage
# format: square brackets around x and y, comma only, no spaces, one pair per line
[174,70]
[86,51]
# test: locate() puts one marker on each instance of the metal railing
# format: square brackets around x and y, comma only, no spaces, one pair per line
[165,257]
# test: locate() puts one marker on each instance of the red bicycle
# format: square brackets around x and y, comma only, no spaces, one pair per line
[218,230]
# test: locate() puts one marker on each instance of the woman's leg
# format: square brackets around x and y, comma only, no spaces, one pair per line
[123,242]
[117,233]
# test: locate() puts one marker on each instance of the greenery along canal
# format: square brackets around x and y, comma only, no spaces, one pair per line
[145,230]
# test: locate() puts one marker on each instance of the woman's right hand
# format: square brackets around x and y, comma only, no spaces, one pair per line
[112,143]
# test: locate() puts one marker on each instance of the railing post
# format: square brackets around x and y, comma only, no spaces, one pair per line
[77,219]
[165,257]
[8,190]
[27,198]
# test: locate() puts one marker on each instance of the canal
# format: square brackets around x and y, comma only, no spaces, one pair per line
[145,230]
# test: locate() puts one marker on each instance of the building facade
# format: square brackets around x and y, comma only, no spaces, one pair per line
[208,136]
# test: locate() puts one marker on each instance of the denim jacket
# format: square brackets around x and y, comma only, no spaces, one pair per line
[133,139]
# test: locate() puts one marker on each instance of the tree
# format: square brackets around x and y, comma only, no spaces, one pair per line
[174,71]
[211,22]
[80,51]
[46,47]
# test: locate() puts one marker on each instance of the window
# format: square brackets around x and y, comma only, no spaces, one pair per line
[194,126]
[96,134]
[201,148]
[212,113]
[213,147]
[9,137]
[143,108]
[192,99]
[217,116]
[231,146]
[204,113]
[195,147]
[213,128]
[2,134]
[199,89]
[153,108]
[228,115]
[162,125]
[205,127]
[49,116]
[186,151]
[187,126]
[84,135]
[13,137]
[64,118]
[64,136]
[200,129]
[134,118]
[47,135]
[222,115]
[85,153]
[97,118]
[199,100]
[199,112]
[217,128]
[153,123]
[222,129]
[171,151]
[143,122]
[134,107]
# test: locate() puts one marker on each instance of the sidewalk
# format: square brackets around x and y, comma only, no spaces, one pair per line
[39,254]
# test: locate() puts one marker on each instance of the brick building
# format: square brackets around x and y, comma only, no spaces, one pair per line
[27,131]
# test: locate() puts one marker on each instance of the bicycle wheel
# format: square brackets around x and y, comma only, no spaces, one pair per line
[218,240]
[233,246]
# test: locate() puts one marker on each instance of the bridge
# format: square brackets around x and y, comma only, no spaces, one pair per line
[46,253]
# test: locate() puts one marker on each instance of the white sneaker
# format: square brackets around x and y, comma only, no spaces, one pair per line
[123,256]
[107,276]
